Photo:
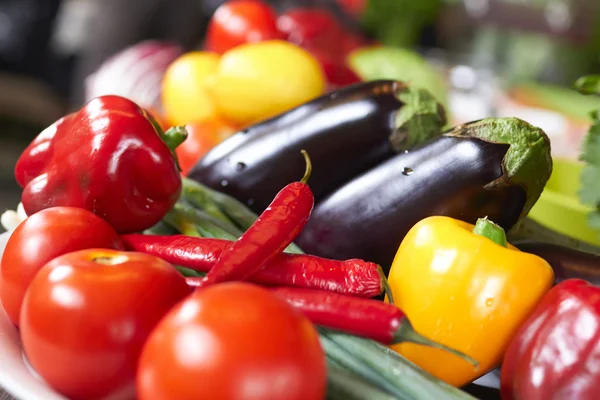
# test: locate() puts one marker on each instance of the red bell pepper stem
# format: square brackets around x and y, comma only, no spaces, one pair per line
[352,277]
[368,318]
[270,234]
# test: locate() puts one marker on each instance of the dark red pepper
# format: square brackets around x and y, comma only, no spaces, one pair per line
[352,277]
[556,352]
[368,318]
[270,234]
[110,158]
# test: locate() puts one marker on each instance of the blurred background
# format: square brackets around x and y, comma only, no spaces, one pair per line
[481,57]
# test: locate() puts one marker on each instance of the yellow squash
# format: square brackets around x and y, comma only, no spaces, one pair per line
[466,291]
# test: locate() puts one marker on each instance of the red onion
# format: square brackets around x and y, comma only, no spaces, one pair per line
[135,73]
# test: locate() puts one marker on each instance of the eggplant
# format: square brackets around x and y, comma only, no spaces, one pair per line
[344,132]
[566,262]
[495,167]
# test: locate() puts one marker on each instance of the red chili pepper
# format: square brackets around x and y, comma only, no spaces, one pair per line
[352,277]
[368,318]
[270,234]
[108,158]
[556,352]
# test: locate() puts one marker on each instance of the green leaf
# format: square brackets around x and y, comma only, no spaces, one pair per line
[590,149]
[588,84]
[590,185]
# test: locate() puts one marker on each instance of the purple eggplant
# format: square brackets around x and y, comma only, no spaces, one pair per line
[495,167]
[345,133]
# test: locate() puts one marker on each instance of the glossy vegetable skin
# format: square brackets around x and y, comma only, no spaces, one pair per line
[352,277]
[556,352]
[239,22]
[109,158]
[466,291]
[256,81]
[345,132]
[368,318]
[42,237]
[566,262]
[87,315]
[494,168]
[240,342]
[202,136]
[273,231]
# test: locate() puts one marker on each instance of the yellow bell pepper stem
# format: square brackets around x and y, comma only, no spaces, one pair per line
[460,288]
[485,227]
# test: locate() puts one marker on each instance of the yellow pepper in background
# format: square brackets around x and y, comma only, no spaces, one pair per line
[466,289]
[256,81]
[185,96]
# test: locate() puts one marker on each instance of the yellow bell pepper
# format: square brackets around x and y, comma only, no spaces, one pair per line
[467,289]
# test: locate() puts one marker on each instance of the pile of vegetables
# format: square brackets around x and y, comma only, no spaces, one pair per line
[254,64]
[126,278]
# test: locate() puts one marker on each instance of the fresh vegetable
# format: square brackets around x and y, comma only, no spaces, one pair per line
[202,136]
[185,95]
[362,358]
[495,167]
[382,62]
[135,73]
[352,277]
[383,367]
[555,353]
[590,175]
[239,22]
[108,158]
[463,286]
[233,341]
[270,234]
[40,238]
[368,318]
[566,262]
[313,27]
[345,132]
[336,71]
[255,81]
[87,314]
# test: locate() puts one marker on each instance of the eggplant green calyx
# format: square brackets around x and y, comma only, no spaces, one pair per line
[486,228]
[527,163]
[420,119]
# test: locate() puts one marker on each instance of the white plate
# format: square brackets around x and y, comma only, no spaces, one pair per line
[15,377]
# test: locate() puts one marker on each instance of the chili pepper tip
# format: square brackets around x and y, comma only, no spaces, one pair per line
[308,170]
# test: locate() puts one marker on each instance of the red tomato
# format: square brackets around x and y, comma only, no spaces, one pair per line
[233,341]
[311,27]
[87,315]
[353,7]
[202,136]
[337,72]
[238,22]
[40,238]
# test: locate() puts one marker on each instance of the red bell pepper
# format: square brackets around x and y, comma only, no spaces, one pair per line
[556,353]
[111,158]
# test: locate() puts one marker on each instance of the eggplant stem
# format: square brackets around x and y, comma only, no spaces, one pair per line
[406,333]
[486,228]
[308,170]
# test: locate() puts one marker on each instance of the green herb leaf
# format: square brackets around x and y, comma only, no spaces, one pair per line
[590,154]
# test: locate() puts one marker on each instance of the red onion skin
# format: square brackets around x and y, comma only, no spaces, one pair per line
[135,73]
